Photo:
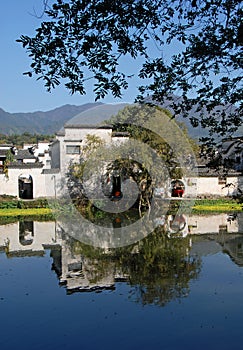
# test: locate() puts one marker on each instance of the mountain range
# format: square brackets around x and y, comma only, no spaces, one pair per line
[50,122]
[46,123]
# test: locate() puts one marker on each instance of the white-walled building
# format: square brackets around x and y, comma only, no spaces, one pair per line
[28,175]
[212,183]
[67,148]
[31,176]
[38,170]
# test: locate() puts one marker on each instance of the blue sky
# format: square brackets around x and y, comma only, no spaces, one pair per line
[18,93]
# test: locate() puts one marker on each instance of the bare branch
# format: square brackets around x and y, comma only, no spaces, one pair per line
[45,7]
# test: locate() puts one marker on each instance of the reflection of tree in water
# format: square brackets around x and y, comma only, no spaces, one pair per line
[162,269]
[158,268]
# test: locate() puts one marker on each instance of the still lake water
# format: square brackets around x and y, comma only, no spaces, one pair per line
[165,292]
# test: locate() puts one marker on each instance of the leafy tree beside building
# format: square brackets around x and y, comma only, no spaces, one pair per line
[146,158]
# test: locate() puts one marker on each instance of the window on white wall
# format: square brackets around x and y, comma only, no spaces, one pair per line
[72,149]
[222,180]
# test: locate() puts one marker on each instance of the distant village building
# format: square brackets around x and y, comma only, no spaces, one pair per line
[220,178]
[67,148]
[37,170]
[40,151]
[4,150]
[25,176]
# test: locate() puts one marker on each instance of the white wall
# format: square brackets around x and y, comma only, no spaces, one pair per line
[44,233]
[44,185]
[203,224]
[209,186]
[76,137]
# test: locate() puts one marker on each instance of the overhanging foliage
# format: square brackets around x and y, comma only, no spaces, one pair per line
[192,49]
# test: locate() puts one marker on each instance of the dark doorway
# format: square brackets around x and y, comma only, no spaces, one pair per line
[25,187]
[116,193]
[178,188]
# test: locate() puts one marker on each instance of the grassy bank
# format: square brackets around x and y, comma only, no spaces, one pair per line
[39,208]
[25,212]
[204,206]
[218,205]
[12,209]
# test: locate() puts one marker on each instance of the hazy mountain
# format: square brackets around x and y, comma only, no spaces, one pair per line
[52,121]
[98,114]
[40,122]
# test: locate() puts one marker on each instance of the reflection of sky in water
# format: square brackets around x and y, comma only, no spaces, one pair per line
[133,311]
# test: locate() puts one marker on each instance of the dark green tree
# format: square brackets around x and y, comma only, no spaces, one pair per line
[82,40]
[19,139]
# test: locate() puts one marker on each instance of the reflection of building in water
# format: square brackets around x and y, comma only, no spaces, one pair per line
[77,274]
[76,271]
[28,237]
[230,243]
[26,232]
[218,223]
[219,232]
[182,225]
[80,271]
[177,224]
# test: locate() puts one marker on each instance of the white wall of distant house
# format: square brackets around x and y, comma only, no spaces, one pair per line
[44,185]
[44,233]
[212,186]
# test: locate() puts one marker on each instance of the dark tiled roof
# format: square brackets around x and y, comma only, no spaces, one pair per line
[204,171]
[226,146]
[3,152]
[56,141]
[87,126]
[24,154]
[232,138]
[60,133]
[25,165]
[120,134]
[51,171]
